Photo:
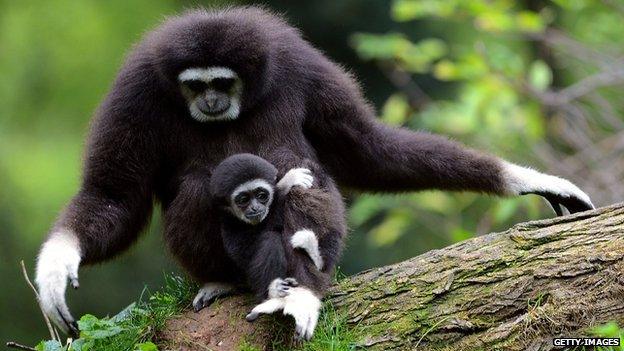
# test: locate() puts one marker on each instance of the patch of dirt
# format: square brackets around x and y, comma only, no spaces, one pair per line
[222,327]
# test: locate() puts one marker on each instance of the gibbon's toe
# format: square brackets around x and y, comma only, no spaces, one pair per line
[208,293]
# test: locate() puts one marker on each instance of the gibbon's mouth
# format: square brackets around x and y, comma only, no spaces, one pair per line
[255,217]
[217,110]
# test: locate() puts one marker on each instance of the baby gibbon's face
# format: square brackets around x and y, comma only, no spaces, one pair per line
[250,202]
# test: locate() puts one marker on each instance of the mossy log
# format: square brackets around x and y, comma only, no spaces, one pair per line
[514,290]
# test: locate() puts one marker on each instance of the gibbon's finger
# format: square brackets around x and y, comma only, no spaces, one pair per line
[267,307]
[291,281]
[312,321]
[575,204]
[305,323]
[571,203]
[52,302]
[300,331]
[278,288]
[74,283]
[301,320]
[556,206]
[305,179]
[69,321]
[73,278]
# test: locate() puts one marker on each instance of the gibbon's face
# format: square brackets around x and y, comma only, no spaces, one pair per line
[212,94]
[250,201]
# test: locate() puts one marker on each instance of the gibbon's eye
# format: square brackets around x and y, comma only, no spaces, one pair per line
[222,84]
[196,85]
[262,195]
[241,199]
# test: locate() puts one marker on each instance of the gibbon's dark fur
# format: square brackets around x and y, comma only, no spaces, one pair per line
[263,252]
[296,105]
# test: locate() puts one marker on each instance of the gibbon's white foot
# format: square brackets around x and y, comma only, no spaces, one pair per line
[57,264]
[295,177]
[300,303]
[305,307]
[306,240]
[558,192]
[208,292]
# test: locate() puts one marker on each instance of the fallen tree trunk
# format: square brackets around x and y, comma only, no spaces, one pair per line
[514,290]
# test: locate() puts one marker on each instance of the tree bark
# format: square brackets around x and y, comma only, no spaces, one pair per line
[514,290]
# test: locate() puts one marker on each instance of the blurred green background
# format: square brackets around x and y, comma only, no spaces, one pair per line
[537,82]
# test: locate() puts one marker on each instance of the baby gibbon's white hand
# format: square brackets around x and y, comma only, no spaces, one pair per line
[295,177]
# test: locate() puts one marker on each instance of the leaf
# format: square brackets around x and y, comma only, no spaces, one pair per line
[380,47]
[49,345]
[93,328]
[531,22]
[574,5]
[395,110]
[418,57]
[495,22]
[433,201]
[608,330]
[459,234]
[366,207]
[540,75]
[445,70]
[391,229]
[146,346]
[505,210]
[81,345]
[125,313]
[406,10]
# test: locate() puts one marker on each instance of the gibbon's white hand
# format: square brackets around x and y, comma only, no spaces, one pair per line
[295,177]
[57,264]
[557,191]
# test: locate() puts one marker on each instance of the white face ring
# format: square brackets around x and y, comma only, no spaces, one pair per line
[207,75]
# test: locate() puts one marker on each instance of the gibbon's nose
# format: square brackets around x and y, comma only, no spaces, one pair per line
[213,104]
[211,101]
[254,211]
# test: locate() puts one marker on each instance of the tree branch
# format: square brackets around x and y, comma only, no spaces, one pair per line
[514,290]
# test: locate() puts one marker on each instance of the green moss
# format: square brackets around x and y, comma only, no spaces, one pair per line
[246,346]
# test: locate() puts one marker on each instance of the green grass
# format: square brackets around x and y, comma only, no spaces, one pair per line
[609,330]
[332,333]
[136,326]
[133,328]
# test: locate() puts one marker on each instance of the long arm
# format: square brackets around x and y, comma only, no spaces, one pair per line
[267,264]
[362,153]
[105,216]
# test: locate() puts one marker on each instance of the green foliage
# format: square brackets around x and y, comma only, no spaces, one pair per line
[490,16]
[416,57]
[483,53]
[609,330]
[135,326]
